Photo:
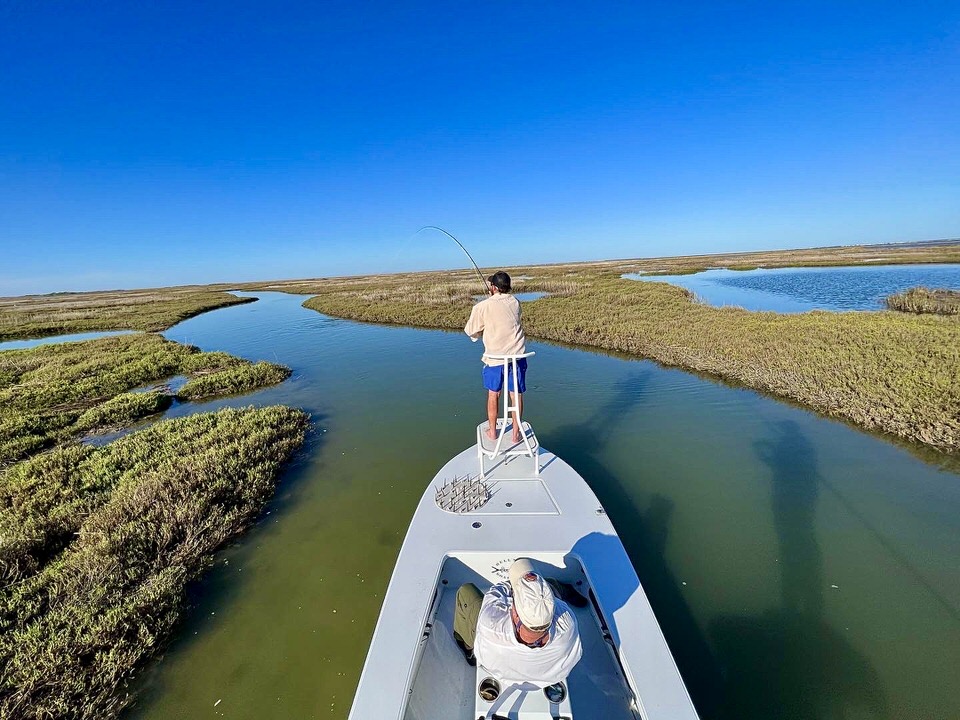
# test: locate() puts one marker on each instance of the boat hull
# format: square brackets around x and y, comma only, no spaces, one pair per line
[414,671]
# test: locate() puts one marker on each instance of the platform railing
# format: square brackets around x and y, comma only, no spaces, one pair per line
[510,371]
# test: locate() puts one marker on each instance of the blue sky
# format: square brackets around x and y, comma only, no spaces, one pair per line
[150,144]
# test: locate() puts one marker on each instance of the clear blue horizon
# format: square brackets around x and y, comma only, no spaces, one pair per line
[170,144]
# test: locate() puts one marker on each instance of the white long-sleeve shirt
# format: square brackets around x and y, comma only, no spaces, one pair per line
[498,650]
[497,319]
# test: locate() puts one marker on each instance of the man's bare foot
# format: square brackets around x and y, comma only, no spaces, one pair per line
[492,434]
[516,436]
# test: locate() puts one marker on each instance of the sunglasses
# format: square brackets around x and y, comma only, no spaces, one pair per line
[540,642]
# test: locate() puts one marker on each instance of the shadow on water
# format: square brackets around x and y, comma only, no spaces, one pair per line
[795,485]
[948,462]
[643,533]
[788,661]
[222,582]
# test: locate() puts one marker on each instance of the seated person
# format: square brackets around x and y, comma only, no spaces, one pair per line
[519,630]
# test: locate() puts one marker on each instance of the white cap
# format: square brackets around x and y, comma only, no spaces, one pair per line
[532,596]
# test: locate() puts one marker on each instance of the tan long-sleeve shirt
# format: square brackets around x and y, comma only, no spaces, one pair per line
[497,320]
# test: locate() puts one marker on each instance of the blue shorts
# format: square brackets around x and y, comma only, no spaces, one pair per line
[493,376]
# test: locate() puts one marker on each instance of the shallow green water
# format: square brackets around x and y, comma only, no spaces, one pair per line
[799,568]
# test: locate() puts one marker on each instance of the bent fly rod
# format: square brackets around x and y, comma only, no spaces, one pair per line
[486,289]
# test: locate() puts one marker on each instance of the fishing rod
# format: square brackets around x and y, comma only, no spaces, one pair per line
[486,288]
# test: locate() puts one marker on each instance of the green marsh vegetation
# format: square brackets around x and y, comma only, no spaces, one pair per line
[923,300]
[52,393]
[98,544]
[234,380]
[885,371]
[149,310]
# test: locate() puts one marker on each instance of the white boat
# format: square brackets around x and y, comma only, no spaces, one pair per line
[490,504]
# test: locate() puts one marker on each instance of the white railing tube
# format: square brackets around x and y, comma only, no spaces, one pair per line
[510,366]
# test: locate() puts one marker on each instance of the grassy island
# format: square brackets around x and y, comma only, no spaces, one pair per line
[35,316]
[97,544]
[885,371]
[923,300]
[51,393]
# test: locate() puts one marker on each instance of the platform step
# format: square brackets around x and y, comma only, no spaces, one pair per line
[507,447]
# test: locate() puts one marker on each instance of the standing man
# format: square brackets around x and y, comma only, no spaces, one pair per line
[497,320]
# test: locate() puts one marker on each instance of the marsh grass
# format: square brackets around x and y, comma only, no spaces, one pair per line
[51,393]
[97,545]
[442,293]
[234,380]
[36,316]
[885,371]
[123,410]
[923,300]
[554,287]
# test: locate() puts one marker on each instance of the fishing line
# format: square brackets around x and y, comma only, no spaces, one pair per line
[486,289]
